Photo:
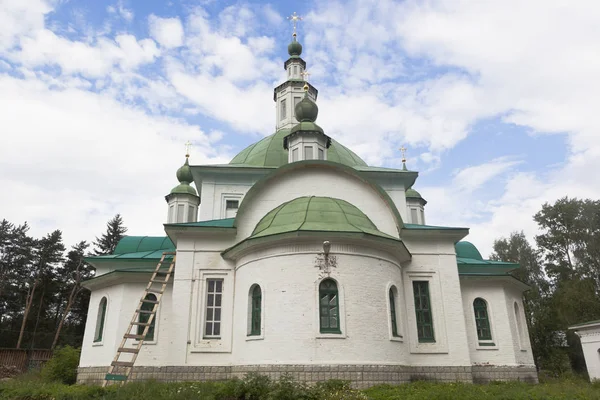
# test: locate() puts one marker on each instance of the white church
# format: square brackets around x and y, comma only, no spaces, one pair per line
[297,257]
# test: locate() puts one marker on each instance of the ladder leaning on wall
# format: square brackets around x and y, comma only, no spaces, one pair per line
[119,369]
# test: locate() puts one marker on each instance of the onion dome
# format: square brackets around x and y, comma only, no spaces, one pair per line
[294,48]
[467,250]
[184,176]
[306,110]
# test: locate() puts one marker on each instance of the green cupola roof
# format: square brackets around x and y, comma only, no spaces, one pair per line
[269,152]
[467,250]
[413,194]
[294,48]
[306,110]
[184,176]
[317,214]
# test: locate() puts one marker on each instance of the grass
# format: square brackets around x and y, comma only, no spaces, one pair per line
[256,387]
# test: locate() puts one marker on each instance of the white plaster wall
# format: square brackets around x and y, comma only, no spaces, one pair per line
[434,260]
[397,193]
[214,194]
[289,282]
[317,182]
[500,322]
[122,302]
[590,343]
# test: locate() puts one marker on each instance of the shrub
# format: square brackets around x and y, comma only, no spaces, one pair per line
[62,367]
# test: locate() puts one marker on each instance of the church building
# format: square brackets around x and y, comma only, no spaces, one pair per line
[297,257]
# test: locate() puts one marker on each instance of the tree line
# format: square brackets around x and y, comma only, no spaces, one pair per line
[562,266]
[42,302]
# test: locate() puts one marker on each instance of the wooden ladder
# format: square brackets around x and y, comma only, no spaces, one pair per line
[120,370]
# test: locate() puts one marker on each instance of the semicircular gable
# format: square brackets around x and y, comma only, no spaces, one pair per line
[317,178]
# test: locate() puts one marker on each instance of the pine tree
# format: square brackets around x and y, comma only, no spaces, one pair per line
[115,230]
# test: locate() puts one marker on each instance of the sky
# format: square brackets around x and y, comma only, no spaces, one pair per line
[496,101]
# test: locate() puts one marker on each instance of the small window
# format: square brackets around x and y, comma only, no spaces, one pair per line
[295,70]
[255,310]
[191,214]
[180,210]
[392,296]
[171,210]
[296,101]
[423,312]
[283,109]
[414,216]
[100,320]
[482,322]
[144,318]
[231,208]
[329,314]
[308,152]
[295,155]
[289,72]
[422,217]
[321,154]
[214,293]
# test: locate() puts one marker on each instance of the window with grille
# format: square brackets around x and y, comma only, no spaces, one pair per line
[329,314]
[482,322]
[308,152]
[392,296]
[100,320]
[231,208]
[423,312]
[255,311]
[214,294]
[143,318]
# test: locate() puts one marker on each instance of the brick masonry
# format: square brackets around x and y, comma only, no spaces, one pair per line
[362,376]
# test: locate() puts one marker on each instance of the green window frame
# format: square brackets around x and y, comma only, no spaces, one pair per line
[423,312]
[100,320]
[392,297]
[144,318]
[482,321]
[329,307]
[256,311]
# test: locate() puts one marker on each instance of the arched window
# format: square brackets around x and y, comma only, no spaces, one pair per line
[100,320]
[255,310]
[329,310]
[482,321]
[392,296]
[145,317]
[520,331]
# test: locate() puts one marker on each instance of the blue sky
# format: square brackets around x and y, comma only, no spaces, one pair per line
[496,102]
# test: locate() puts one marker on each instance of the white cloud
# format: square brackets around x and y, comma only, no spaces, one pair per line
[471,178]
[167,31]
[20,18]
[76,158]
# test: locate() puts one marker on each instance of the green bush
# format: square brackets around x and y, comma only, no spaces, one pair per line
[62,367]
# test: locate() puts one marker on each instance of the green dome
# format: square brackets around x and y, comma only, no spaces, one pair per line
[306,110]
[467,250]
[269,152]
[413,194]
[294,48]
[317,214]
[184,176]
[184,173]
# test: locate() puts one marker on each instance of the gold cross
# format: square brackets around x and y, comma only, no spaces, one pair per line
[403,150]
[295,19]
[305,75]
[188,145]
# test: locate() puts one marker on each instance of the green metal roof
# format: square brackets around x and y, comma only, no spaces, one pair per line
[430,227]
[133,244]
[467,250]
[269,152]
[215,223]
[323,214]
[413,194]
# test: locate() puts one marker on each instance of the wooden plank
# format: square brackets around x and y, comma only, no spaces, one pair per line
[154,291]
[122,364]
[133,336]
[128,350]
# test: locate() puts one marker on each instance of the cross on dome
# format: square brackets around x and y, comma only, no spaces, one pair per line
[295,18]
[188,145]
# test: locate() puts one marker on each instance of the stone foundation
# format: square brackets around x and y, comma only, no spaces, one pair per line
[362,376]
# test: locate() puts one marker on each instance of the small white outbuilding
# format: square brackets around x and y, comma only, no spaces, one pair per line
[589,335]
